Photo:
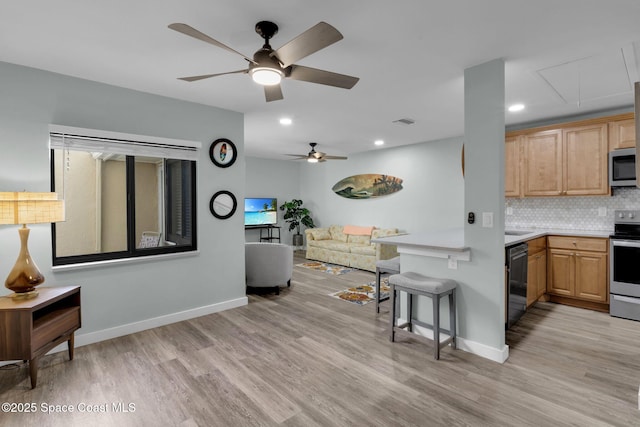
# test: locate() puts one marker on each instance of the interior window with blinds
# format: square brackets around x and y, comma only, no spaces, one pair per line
[125,195]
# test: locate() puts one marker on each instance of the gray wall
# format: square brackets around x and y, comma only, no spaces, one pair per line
[123,294]
[432,195]
[273,178]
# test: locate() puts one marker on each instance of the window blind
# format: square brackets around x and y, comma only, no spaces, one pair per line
[97,141]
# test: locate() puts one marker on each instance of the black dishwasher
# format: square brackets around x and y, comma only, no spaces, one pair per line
[517,279]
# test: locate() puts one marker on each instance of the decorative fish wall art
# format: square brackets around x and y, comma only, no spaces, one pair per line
[367,186]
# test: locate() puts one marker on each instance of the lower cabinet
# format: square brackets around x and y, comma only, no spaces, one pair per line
[536,270]
[577,270]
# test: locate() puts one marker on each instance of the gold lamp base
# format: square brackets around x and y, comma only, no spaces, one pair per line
[25,276]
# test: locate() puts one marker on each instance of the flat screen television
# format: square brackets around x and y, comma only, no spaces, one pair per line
[260,211]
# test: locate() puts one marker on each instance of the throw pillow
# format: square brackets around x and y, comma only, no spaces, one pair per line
[320,234]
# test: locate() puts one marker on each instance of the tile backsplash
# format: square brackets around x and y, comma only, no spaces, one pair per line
[573,213]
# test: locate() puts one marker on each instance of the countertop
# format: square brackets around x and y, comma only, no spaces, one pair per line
[449,242]
[528,234]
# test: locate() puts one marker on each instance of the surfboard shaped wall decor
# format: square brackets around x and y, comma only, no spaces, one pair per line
[367,186]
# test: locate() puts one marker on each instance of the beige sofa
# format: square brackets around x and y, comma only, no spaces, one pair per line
[334,246]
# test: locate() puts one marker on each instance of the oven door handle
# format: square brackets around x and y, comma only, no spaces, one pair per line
[626,299]
[626,243]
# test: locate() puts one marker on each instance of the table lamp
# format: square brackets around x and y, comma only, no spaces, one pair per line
[27,208]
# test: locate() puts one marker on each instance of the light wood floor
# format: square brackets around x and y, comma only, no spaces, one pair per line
[305,359]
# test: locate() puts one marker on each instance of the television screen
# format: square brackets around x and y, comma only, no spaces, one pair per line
[260,211]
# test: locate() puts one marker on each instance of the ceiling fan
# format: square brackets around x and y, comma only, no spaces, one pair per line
[316,156]
[268,66]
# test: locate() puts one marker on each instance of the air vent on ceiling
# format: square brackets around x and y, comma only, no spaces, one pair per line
[405,121]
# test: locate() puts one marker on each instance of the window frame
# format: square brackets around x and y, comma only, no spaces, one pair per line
[132,252]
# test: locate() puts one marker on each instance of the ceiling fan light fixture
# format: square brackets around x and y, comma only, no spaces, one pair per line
[266,76]
[312,160]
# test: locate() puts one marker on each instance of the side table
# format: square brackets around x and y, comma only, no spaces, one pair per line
[29,328]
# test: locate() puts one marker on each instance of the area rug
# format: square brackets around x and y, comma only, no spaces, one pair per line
[324,267]
[363,294]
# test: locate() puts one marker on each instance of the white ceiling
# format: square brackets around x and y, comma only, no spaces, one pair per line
[562,58]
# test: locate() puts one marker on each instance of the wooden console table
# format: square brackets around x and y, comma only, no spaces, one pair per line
[29,328]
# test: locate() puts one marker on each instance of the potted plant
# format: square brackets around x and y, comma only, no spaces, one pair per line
[296,215]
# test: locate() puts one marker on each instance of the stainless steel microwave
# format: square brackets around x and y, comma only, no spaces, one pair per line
[622,168]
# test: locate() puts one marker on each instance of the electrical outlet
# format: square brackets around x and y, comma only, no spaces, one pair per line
[602,211]
[509,210]
[453,263]
[487,219]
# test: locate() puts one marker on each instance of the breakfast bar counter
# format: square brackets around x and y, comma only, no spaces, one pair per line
[446,243]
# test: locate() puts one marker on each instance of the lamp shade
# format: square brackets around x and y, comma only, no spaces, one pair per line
[30,208]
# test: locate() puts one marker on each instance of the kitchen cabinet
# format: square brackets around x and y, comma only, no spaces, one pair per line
[577,271]
[512,169]
[543,163]
[622,134]
[585,159]
[570,161]
[536,270]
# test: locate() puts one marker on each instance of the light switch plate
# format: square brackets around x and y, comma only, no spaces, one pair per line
[602,211]
[509,210]
[487,219]
[453,263]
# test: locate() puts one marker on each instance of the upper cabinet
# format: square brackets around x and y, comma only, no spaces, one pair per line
[512,187]
[567,159]
[543,164]
[622,134]
[585,159]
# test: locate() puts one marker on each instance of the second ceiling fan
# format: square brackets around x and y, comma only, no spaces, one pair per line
[316,156]
[268,66]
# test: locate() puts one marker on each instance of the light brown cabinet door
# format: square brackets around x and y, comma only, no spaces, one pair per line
[536,276]
[622,134]
[585,154]
[542,273]
[591,276]
[543,164]
[560,274]
[532,279]
[512,187]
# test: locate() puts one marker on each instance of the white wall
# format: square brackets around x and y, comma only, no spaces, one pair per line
[120,295]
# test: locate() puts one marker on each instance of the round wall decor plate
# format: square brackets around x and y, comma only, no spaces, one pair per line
[222,152]
[223,204]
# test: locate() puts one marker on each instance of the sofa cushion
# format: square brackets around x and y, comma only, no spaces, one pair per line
[320,233]
[362,240]
[364,250]
[383,232]
[337,234]
[331,245]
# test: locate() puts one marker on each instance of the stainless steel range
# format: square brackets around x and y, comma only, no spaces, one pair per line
[624,266]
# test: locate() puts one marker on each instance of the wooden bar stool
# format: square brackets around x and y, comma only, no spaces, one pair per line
[417,284]
[385,266]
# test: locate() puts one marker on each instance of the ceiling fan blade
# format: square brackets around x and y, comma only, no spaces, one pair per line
[299,157]
[273,93]
[315,38]
[190,31]
[313,75]
[318,154]
[335,157]
[206,76]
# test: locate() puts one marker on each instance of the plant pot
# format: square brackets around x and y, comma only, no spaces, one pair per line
[297,240]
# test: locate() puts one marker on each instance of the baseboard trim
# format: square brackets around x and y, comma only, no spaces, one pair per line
[473,347]
[143,325]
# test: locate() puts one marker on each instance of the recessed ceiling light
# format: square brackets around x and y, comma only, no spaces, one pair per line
[516,107]
[378,142]
[286,121]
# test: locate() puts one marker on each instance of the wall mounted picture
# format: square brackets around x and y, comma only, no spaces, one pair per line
[223,204]
[367,186]
[222,152]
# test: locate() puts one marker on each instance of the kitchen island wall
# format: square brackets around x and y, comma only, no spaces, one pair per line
[572,213]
